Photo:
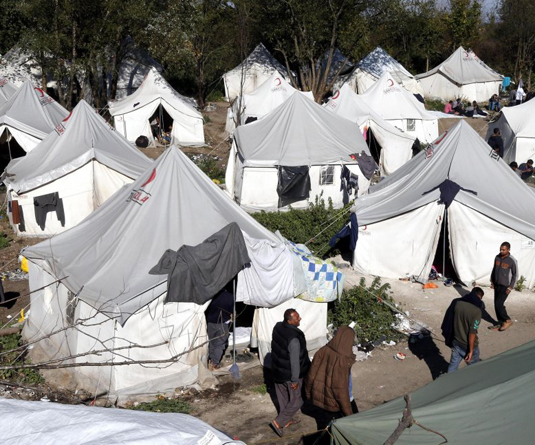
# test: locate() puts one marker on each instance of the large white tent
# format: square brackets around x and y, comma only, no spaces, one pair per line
[7,89]
[133,113]
[251,73]
[463,75]
[401,219]
[107,298]
[297,133]
[400,108]
[374,65]
[19,66]
[396,146]
[29,115]
[268,96]
[517,128]
[84,161]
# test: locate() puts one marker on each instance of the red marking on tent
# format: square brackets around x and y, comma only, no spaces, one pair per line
[390,83]
[442,138]
[67,118]
[152,176]
[277,80]
[466,54]
[40,91]
[365,228]
[337,95]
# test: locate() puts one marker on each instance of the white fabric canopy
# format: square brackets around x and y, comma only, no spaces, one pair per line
[251,73]
[401,109]
[396,145]
[392,205]
[517,128]
[132,113]
[33,112]
[28,423]
[7,89]
[462,74]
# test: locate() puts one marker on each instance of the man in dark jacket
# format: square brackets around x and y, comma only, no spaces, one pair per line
[289,365]
[502,280]
[496,142]
[218,317]
[460,327]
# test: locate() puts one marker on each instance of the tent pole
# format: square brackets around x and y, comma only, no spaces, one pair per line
[444,243]
[234,370]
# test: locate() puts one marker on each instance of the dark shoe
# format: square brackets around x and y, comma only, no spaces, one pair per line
[277,429]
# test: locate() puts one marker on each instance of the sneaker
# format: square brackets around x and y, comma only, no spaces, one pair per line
[495,327]
[506,324]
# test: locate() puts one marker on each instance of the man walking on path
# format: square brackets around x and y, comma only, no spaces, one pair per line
[502,280]
[289,365]
[460,326]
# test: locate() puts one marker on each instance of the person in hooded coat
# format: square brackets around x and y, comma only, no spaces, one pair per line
[327,384]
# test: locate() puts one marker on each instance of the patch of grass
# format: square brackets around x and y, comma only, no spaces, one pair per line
[163,404]
[4,240]
[260,389]
[209,166]
[434,104]
[215,96]
[520,284]
[362,304]
[207,119]
[10,356]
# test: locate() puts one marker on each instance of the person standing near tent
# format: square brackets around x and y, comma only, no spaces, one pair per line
[460,326]
[289,365]
[218,317]
[502,280]
[328,382]
[496,142]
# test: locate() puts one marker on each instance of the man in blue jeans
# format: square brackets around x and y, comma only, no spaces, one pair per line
[467,313]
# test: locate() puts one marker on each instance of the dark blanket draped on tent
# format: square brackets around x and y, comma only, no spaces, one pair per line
[197,273]
[293,185]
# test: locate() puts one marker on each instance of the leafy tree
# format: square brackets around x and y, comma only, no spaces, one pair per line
[464,23]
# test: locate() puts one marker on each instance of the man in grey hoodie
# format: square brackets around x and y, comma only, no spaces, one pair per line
[503,279]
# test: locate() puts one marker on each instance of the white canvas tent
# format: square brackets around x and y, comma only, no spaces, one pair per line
[462,74]
[297,133]
[29,115]
[374,65]
[133,113]
[106,288]
[517,128]
[401,219]
[7,89]
[268,96]
[400,108]
[19,66]
[396,146]
[251,73]
[85,161]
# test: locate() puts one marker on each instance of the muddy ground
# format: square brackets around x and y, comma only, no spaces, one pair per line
[237,408]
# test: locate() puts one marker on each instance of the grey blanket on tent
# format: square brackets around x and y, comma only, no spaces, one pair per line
[197,273]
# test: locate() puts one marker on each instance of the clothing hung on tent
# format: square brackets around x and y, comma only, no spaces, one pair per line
[197,273]
[293,184]
[46,204]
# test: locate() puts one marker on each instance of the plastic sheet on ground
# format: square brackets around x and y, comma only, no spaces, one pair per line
[51,423]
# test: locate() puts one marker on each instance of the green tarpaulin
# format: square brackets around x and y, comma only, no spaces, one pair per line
[491,402]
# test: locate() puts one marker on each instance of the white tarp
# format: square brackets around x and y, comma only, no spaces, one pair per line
[33,112]
[298,132]
[517,128]
[374,65]
[84,160]
[507,202]
[401,109]
[7,89]
[132,113]
[257,104]
[396,145]
[28,423]
[463,75]
[251,73]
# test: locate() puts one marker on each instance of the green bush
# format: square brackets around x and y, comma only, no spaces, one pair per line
[361,304]
[215,96]
[209,165]
[434,104]
[319,223]
[520,284]
[163,404]
[10,355]
[4,240]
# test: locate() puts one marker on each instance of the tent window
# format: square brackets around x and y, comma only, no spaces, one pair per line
[411,125]
[327,175]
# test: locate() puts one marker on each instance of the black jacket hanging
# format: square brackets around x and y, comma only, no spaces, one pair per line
[293,184]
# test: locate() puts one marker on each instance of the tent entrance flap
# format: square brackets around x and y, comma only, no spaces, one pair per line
[9,149]
[374,146]
[161,124]
[443,259]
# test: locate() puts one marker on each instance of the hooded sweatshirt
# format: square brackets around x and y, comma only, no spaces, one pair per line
[327,382]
